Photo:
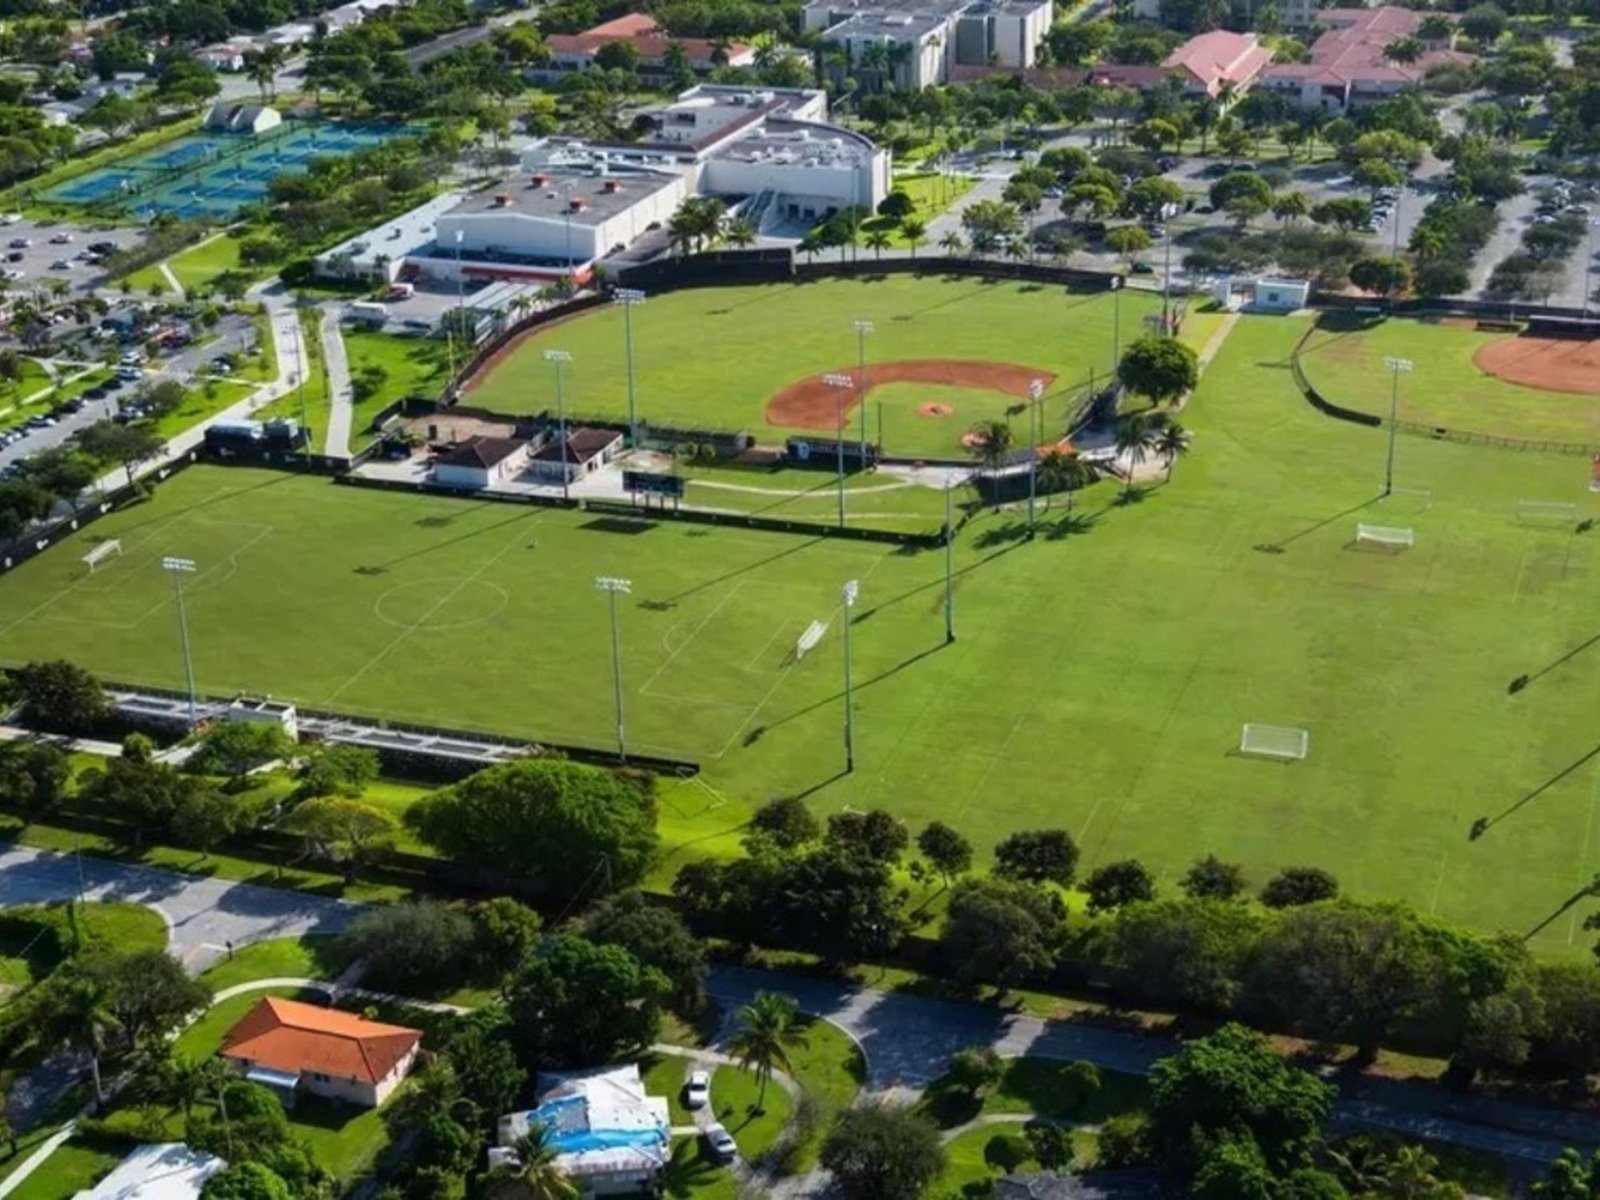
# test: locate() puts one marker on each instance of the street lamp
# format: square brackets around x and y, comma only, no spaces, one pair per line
[559,359]
[611,586]
[843,382]
[852,589]
[863,328]
[1397,367]
[627,298]
[178,568]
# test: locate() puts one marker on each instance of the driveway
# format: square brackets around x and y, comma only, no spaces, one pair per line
[202,915]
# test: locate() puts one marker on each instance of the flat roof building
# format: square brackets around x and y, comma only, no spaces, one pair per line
[926,41]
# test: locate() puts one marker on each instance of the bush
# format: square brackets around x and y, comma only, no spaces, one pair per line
[412,948]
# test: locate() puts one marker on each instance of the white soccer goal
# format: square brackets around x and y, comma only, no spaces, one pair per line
[1275,741]
[1394,536]
[110,548]
[1538,512]
[812,635]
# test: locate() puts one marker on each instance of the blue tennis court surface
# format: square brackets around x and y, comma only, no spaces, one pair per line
[216,174]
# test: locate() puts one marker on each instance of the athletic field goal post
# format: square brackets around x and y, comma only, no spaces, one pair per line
[99,553]
[1542,512]
[1283,742]
[808,640]
[1390,536]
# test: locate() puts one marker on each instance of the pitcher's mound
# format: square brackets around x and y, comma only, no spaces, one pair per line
[936,410]
[1549,364]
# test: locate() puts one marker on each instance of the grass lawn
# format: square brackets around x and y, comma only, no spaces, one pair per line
[313,956]
[978,1157]
[412,366]
[122,925]
[1344,360]
[30,951]
[201,263]
[1099,679]
[345,1139]
[830,1069]
[880,498]
[733,1097]
[201,404]
[664,1075]
[1044,1086]
[931,192]
[693,1175]
[72,1168]
[783,333]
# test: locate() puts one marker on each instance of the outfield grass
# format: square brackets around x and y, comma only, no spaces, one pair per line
[1345,361]
[1099,679]
[782,333]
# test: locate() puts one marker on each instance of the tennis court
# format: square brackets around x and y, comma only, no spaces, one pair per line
[216,174]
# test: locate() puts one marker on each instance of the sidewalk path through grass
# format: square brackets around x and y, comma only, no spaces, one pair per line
[341,400]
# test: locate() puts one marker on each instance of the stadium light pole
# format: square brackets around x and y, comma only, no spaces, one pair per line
[627,298]
[1588,266]
[559,359]
[1116,322]
[843,383]
[1035,392]
[178,568]
[461,298]
[611,586]
[863,328]
[852,589]
[1397,367]
[949,563]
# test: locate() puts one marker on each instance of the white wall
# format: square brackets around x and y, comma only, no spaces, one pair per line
[507,230]
[845,185]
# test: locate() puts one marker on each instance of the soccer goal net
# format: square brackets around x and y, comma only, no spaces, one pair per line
[808,640]
[1275,741]
[1534,512]
[1384,535]
[1409,499]
[111,548]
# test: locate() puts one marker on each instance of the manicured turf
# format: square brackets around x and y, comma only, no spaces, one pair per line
[767,337]
[733,1098]
[314,956]
[1046,1086]
[74,1167]
[1099,681]
[1345,361]
[413,367]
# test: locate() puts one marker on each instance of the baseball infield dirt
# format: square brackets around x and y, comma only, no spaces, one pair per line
[1550,364]
[812,404]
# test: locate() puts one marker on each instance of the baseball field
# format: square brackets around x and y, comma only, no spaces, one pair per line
[941,355]
[1483,381]
[1099,679]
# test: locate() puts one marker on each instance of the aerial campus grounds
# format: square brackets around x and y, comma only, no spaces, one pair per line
[1101,671]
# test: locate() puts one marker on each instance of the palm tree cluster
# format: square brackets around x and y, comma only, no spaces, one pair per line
[696,225]
[1140,435]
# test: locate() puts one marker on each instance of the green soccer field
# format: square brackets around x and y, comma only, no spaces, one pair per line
[1345,360]
[710,358]
[1099,681]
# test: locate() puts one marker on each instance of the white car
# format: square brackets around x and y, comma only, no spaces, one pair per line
[61,239]
[723,1147]
[697,1092]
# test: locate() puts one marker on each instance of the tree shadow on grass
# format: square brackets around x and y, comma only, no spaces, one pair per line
[1070,525]
[689,1170]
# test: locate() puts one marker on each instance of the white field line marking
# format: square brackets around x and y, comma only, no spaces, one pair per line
[423,618]
[703,622]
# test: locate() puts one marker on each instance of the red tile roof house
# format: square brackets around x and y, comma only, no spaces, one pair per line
[290,1046]
[1348,66]
[576,51]
[1211,61]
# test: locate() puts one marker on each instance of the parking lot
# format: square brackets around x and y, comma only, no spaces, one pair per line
[35,251]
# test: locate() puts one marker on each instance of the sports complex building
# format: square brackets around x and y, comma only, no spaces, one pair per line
[771,153]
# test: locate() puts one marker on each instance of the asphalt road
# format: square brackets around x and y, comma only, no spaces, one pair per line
[202,915]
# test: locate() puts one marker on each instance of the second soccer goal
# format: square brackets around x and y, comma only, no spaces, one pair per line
[1275,741]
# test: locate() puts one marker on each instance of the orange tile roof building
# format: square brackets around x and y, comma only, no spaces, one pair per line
[576,51]
[1349,65]
[291,1046]
[1210,62]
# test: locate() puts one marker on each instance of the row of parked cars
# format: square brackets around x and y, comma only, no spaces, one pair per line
[697,1094]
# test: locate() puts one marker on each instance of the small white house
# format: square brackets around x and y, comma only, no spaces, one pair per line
[480,462]
[163,1171]
[1280,295]
[247,710]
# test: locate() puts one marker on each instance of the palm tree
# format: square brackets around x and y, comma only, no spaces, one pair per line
[991,443]
[914,230]
[740,233]
[82,1020]
[537,1175]
[952,243]
[1134,436]
[1171,442]
[768,1026]
[878,241]
[811,243]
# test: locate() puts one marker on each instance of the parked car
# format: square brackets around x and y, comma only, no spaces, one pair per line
[61,239]
[697,1092]
[61,264]
[720,1141]
[20,243]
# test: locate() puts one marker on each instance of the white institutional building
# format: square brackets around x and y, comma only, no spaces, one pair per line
[926,40]
[769,152]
